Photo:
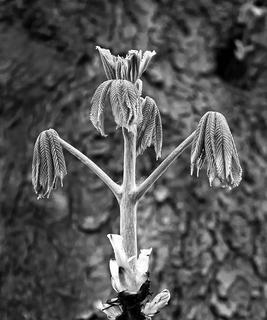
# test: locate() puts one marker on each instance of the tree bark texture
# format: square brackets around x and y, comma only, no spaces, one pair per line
[209,245]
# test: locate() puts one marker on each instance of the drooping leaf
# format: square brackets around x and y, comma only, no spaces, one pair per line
[214,142]
[98,105]
[236,167]
[149,131]
[210,148]
[157,135]
[125,103]
[124,99]
[198,149]
[57,154]
[36,163]
[224,148]
[48,163]
[145,129]
[50,172]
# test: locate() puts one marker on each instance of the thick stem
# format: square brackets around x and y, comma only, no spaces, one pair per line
[128,204]
[142,189]
[114,187]
[128,227]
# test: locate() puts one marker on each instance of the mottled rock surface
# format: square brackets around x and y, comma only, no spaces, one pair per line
[209,245]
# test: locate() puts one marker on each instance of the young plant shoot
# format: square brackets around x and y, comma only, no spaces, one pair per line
[140,122]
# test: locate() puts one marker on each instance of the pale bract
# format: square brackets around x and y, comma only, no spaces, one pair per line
[156,304]
[148,308]
[214,143]
[132,286]
[123,278]
[111,311]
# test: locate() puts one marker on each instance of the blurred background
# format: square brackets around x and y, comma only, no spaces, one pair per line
[209,245]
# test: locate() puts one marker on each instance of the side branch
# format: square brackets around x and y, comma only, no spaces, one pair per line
[114,187]
[143,187]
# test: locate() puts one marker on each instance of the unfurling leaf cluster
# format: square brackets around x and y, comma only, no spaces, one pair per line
[214,142]
[129,68]
[48,163]
[123,91]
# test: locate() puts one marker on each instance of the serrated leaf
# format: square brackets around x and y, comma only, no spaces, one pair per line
[149,132]
[157,135]
[98,105]
[214,142]
[48,163]
[224,149]
[210,148]
[125,104]
[236,167]
[124,98]
[146,127]
[198,144]
[57,154]
[49,174]
[36,163]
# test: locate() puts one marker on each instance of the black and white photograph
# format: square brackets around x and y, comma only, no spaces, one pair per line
[133,160]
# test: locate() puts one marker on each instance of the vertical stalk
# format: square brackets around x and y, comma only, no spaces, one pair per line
[128,204]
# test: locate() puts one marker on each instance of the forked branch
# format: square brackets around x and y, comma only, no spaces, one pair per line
[141,125]
[143,187]
[114,187]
